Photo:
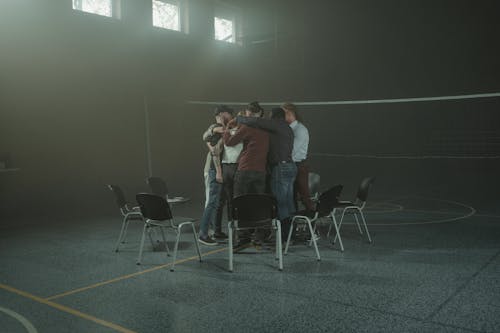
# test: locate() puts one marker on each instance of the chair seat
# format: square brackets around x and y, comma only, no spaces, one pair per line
[176,222]
[178,200]
[344,204]
[135,216]
[305,212]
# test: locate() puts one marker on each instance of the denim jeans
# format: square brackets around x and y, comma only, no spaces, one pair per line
[212,204]
[226,195]
[282,179]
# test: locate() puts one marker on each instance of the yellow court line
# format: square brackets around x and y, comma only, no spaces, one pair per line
[66,309]
[128,276]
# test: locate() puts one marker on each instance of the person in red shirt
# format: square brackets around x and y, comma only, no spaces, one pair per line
[251,174]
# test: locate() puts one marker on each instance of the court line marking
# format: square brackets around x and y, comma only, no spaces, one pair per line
[128,276]
[368,101]
[66,309]
[25,322]
[408,157]
[486,215]
[472,211]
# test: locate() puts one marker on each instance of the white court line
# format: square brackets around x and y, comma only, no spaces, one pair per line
[472,211]
[367,101]
[25,322]
[486,215]
[407,157]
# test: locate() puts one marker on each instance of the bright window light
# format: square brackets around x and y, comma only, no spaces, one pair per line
[224,30]
[166,14]
[99,7]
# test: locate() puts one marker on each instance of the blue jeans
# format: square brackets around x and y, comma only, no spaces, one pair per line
[282,179]
[212,205]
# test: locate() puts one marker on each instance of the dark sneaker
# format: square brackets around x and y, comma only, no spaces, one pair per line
[207,241]
[220,235]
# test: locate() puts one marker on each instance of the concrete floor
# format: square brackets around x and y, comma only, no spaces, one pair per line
[434,266]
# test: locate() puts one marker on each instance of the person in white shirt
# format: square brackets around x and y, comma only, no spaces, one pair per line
[230,155]
[299,154]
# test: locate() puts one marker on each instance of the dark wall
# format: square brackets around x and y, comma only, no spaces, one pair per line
[73,89]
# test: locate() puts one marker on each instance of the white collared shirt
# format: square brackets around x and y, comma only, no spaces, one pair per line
[300,141]
[232,153]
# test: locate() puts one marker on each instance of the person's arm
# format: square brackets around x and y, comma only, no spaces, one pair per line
[217,163]
[233,139]
[210,132]
[262,123]
[215,152]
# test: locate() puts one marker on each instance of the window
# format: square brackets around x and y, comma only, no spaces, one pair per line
[227,22]
[107,8]
[224,30]
[171,14]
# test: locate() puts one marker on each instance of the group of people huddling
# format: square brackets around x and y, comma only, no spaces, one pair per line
[250,153]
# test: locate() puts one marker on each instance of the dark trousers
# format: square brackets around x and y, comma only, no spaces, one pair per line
[226,196]
[302,186]
[249,182]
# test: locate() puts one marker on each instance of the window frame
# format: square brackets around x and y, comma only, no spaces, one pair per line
[115,9]
[232,13]
[182,5]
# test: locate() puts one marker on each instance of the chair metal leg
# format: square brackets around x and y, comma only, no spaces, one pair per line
[330,228]
[314,231]
[313,238]
[178,238]
[337,231]
[150,237]
[366,227]
[125,230]
[339,225]
[196,241]
[289,237]
[276,253]
[121,236]
[142,243]
[280,251]
[357,222]
[164,240]
[230,244]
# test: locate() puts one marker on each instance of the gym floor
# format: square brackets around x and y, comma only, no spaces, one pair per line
[433,266]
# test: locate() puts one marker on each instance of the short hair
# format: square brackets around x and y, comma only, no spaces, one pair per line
[277,113]
[290,107]
[223,108]
[255,107]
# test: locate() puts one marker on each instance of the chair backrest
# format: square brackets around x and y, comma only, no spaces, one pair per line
[314,183]
[254,210]
[119,196]
[154,207]
[158,186]
[328,199]
[364,187]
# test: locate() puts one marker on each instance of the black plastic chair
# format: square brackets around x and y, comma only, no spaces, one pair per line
[325,207]
[255,211]
[157,213]
[127,212]
[353,207]
[159,187]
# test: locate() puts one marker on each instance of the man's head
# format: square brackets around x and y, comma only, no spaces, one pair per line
[224,113]
[278,113]
[290,112]
[254,110]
